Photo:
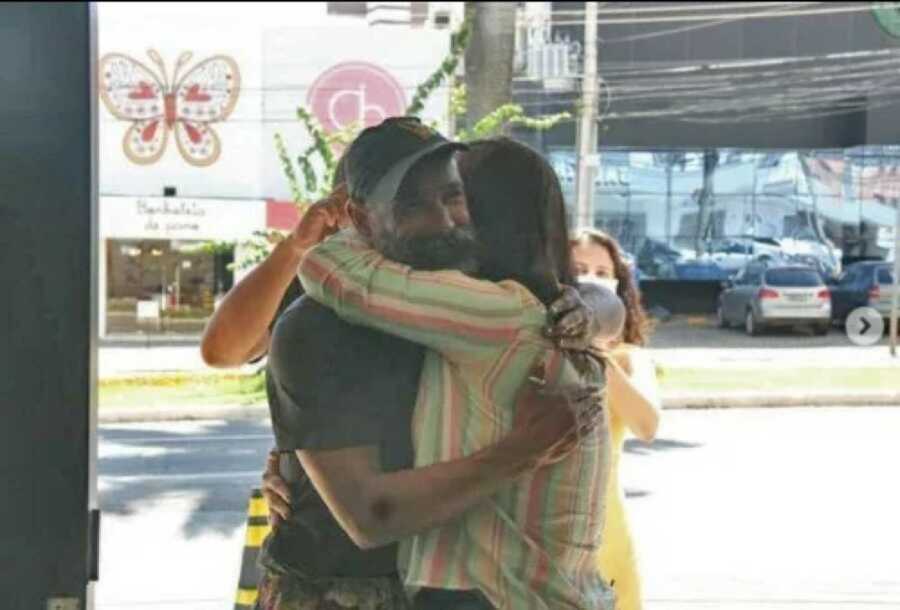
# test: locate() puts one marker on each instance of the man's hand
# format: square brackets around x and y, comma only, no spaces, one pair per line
[550,423]
[276,492]
[323,218]
[576,320]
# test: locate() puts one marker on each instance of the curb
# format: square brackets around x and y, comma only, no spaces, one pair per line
[735,400]
[114,415]
[742,400]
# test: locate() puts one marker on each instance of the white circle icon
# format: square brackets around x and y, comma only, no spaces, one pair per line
[865,326]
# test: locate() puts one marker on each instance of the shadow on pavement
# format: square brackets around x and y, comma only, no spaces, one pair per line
[636,447]
[636,493]
[212,465]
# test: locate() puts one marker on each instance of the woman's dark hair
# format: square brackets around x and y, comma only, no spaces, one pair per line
[518,211]
[637,325]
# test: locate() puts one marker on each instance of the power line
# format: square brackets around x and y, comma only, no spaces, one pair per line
[671,31]
[743,16]
[675,8]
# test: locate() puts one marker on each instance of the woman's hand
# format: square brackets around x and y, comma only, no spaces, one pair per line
[323,218]
[276,492]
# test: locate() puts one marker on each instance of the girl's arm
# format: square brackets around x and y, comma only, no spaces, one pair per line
[634,392]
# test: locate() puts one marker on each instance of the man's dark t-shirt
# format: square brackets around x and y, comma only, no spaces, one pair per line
[333,385]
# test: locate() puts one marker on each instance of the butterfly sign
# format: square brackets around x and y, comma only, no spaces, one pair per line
[187,106]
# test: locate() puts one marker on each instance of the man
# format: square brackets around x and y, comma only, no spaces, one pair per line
[319,403]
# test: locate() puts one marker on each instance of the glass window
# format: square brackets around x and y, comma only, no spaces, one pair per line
[885,275]
[849,278]
[798,278]
[754,277]
[160,286]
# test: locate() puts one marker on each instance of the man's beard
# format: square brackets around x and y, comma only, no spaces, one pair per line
[452,249]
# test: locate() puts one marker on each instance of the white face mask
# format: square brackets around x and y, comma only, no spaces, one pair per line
[610,283]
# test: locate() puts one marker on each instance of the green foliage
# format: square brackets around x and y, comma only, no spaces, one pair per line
[318,162]
[256,249]
[459,40]
[458,100]
[506,116]
[288,168]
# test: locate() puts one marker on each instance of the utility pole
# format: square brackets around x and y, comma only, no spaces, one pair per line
[895,296]
[587,132]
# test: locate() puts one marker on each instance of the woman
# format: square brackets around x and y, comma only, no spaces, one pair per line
[528,546]
[633,401]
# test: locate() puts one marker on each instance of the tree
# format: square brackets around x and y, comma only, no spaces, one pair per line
[489,57]
[706,199]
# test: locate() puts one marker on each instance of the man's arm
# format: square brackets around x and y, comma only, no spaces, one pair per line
[377,508]
[238,331]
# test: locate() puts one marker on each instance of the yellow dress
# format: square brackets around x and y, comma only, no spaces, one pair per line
[617,560]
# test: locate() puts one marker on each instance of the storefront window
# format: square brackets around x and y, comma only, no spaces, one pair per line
[163,286]
[703,214]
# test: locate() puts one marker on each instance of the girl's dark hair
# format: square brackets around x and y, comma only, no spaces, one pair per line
[519,213]
[637,325]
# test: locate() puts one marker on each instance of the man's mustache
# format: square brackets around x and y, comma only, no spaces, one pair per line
[455,248]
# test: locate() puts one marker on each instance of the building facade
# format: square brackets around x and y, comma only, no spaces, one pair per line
[192,99]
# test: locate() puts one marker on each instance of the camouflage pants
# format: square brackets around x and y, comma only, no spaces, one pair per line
[279,591]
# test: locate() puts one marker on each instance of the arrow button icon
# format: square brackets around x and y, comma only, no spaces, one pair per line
[865,326]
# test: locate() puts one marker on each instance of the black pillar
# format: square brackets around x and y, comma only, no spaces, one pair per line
[47,316]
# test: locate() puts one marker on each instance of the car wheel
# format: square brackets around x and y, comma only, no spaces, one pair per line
[720,317]
[751,325]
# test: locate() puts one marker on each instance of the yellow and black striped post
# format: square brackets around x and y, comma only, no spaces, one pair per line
[257,530]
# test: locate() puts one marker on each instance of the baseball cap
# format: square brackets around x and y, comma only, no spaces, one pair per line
[381,156]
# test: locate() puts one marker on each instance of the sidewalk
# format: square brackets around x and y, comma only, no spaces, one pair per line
[123,359]
[683,342]
[679,344]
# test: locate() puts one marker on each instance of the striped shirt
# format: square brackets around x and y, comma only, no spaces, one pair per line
[533,545]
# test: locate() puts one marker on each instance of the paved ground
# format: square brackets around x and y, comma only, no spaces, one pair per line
[741,509]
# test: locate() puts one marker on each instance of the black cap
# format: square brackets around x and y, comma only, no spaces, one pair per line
[380,156]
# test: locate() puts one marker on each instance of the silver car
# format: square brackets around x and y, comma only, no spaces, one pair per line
[761,297]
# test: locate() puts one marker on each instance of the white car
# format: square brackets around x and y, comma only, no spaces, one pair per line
[734,254]
[822,255]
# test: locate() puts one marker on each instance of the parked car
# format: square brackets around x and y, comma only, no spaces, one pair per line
[866,284]
[733,254]
[631,261]
[805,249]
[700,270]
[762,296]
[656,259]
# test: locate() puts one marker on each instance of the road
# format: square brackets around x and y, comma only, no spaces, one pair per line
[750,509]
[681,342]
[697,342]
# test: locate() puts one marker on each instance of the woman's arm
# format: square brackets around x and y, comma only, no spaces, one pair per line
[444,310]
[238,330]
[377,508]
[634,392]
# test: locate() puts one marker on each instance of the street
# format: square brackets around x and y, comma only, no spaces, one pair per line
[745,509]
[680,342]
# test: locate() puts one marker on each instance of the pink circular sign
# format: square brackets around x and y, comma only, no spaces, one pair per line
[355,92]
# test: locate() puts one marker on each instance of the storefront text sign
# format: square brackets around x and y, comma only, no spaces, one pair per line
[180,218]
